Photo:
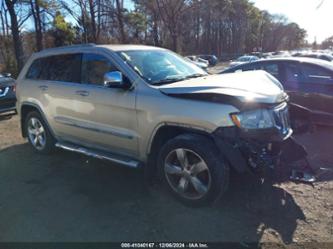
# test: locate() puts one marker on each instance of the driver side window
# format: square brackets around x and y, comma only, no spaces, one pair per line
[94,66]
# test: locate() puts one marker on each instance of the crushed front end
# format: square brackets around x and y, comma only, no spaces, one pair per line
[260,140]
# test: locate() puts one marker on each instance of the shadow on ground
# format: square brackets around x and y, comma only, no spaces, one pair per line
[69,197]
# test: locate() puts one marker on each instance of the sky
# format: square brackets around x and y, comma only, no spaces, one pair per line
[316,21]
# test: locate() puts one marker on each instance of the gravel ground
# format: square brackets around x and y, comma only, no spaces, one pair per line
[69,197]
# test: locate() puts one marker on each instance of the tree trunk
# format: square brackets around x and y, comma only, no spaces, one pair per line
[35,9]
[174,41]
[84,23]
[99,13]
[39,31]
[3,36]
[155,30]
[15,33]
[3,24]
[120,22]
[93,21]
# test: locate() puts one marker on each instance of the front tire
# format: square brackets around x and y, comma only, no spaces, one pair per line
[39,136]
[193,169]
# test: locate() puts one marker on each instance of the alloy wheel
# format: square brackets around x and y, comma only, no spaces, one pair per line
[36,133]
[187,173]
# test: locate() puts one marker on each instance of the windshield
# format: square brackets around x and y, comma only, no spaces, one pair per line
[160,67]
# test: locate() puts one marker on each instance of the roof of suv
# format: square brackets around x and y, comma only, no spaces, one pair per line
[114,47]
[127,47]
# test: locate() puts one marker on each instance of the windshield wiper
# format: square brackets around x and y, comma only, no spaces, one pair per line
[168,80]
[173,80]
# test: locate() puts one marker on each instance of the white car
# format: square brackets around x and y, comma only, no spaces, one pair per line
[202,63]
[244,59]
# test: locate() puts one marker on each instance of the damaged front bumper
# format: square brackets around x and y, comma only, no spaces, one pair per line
[262,151]
[252,151]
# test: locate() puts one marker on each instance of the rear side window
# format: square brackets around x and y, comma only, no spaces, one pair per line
[56,68]
[64,68]
[94,66]
[313,73]
[35,70]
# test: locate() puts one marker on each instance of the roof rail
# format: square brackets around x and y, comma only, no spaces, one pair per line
[71,46]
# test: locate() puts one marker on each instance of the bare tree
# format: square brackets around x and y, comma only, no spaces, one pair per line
[92,19]
[19,56]
[171,12]
[150,9]
[120,18]
[4,35]
[36,14]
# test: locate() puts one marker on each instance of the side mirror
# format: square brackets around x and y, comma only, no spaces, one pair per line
[114,80]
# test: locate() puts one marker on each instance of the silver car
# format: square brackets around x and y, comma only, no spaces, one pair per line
[142,106]
[243,59]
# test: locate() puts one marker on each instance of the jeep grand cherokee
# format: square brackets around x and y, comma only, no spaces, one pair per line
[143,106]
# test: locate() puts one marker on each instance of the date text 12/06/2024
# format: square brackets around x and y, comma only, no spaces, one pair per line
[165,245]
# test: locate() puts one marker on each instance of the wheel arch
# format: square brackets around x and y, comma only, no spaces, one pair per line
[26,108]
[166,131]
[163,133]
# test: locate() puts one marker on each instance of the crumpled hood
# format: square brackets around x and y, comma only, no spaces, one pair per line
[252,86]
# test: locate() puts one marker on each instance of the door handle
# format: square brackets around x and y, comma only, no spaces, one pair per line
[43,87]
[82,93]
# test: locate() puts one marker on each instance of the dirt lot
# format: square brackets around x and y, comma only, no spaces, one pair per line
[69,197]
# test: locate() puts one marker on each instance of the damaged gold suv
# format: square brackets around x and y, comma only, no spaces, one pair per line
[142,106]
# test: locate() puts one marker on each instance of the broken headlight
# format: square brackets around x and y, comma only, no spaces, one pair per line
[256,119]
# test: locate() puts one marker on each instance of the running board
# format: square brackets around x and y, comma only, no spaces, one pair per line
[99,154]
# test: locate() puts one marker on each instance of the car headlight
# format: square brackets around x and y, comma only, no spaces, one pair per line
[256,119]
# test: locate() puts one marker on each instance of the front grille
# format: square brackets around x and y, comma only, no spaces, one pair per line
[281,118]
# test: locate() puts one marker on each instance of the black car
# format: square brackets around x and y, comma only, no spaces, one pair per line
[212,59]
[7,96]
[309,83]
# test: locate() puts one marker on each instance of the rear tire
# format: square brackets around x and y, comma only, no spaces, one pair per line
[38,133]
[193,169]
